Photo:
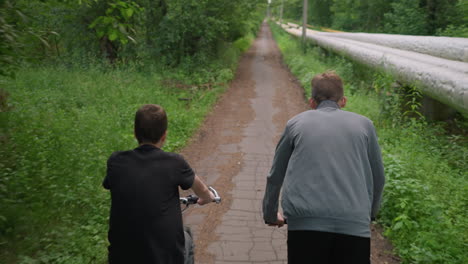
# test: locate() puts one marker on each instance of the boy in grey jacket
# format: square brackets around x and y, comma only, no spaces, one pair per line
[329,166]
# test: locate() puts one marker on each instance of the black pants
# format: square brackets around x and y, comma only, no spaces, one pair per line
[314,247]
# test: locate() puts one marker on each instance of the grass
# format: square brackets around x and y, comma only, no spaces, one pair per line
[62,124]
[426,195]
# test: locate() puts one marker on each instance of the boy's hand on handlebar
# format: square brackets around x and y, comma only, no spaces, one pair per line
[280,222]
[202,191]
[206,199]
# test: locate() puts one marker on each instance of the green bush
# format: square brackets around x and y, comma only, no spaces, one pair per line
[441,17]
[425,195]
[78,32]
[83,68]
[454,31]
[406,18]
[60,125]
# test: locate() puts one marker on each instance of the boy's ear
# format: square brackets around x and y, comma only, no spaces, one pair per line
[312,103]
[342,102]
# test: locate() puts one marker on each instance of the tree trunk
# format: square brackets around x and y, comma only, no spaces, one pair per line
[108,48]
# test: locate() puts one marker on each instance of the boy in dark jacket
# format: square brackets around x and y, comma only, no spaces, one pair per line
[145,220]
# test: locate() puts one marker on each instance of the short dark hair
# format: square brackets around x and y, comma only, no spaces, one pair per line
[150,123]
[327,86]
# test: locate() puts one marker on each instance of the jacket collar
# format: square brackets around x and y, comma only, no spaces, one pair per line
[328,103]
[146,147]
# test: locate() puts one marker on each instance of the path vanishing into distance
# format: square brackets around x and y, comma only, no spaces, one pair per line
[233,152]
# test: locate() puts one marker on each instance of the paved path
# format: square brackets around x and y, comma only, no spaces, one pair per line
[233,152]
[246,124]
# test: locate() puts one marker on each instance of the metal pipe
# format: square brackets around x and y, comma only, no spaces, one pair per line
[442,79]
[444,47]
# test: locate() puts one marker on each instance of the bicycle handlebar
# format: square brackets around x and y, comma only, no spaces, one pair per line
[193,199]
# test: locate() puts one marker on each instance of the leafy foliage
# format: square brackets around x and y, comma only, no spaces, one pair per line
[62,125]
[123,30]
[116,23]
[215,22]
[13,32]
[457,23]
[427,17]
[358,14]
[406,18]
[8,40]
[68,109]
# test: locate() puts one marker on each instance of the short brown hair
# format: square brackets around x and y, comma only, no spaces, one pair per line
[150,123]
[327,86]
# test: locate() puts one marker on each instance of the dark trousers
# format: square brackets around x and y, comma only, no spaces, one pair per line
[314,247]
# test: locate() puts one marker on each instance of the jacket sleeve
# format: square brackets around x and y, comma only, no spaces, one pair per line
[106,183]
[275,179]
[375,159]
[186,175]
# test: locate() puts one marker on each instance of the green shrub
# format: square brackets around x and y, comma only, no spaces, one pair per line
[425,194]
[62,123]
[454,31]
[243,44]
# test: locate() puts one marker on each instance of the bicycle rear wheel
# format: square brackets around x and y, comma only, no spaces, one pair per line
[189,246]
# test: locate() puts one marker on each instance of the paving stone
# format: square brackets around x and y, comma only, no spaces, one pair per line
[236,251]
[262,255]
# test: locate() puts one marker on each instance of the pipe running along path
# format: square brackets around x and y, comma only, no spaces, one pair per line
[436,65]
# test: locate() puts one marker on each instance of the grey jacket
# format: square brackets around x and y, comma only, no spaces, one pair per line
[329,166]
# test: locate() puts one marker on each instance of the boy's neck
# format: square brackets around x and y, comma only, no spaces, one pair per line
[158,145]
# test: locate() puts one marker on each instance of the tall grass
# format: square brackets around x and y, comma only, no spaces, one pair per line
[63,123]
[425,201]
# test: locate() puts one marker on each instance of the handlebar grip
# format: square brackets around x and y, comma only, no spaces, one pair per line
[192,199]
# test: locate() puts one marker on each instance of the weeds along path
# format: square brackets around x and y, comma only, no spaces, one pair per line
[233,152]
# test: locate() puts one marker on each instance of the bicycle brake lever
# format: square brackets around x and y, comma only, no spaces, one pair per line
[217,198]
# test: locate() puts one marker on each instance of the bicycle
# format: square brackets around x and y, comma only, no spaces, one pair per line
[189,245]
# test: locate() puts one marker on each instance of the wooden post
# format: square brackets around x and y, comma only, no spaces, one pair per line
[281,11]
[268,10]
[304,23]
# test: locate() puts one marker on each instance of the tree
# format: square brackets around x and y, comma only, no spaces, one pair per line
[292,9]
[346,14]
[440,13]
[75,30]
[194,26]
[116,26]
[406,17]
[8,39]
[359,15]
[320,12]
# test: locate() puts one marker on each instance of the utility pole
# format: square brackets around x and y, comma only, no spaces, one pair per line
[281,11]
[304,22]
[268,10]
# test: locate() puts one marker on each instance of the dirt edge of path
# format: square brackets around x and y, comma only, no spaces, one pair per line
[232,112]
